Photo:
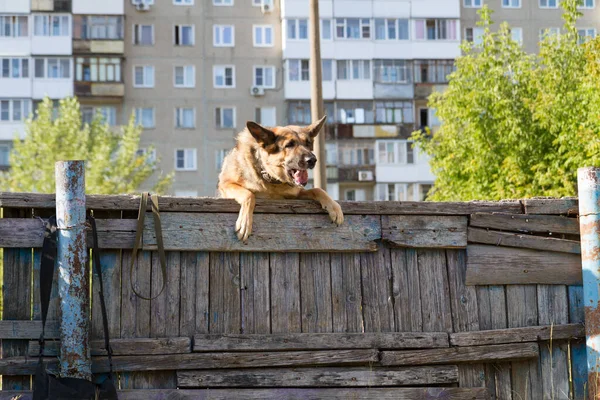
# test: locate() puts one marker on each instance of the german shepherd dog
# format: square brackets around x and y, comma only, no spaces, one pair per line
[272,163]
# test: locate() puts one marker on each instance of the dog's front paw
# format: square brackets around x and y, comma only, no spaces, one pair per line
[243,225]
[335,212]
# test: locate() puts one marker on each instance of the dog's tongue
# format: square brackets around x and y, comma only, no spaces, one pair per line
[301,177]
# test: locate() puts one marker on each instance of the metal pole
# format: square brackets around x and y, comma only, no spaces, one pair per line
[316,92]
[588,182]
[73,271]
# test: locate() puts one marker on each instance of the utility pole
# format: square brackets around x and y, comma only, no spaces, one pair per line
[316,92]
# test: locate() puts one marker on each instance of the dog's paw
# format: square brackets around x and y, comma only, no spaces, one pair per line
[243,226]
[335,213]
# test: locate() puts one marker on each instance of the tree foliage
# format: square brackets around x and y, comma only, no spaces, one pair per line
[516,125]
[112,163]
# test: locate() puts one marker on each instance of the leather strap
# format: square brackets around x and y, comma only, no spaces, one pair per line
[159,242]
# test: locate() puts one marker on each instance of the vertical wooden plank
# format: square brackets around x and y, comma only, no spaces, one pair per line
[407,291]
[285,293]
[202,293]
[435,294]
[16,299]
[376,275]
[521,301]
[194,293]
[578,351]
[225,293]
[256,305]
[346,292]
[315,292]
[37,259]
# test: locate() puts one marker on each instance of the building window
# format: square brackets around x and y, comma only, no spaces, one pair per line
[262,35]
[585,34]
[586,4]
[183,2]
[4,155]
[326,29]
[98,27]
[142,152]
[95,69]
[517,35]
[395,152]
[51,25]
[299,113]
[222,2]
[185,76]
[14,110]
[354,112]
[143,76]
[298,70]
[394,112]
[265,116]
[435,29]
[224,76]
[143,35]
[223,35]
[53,68]
[433,71]
[474,35]
[360,154]
[297,29]
[352,28]
[391,71]
[327,70]
[423,190]
[396,192]
[548,3]
[353,69]
[391,29]
[184,35]
[14,67]
[185,159]
[219,158]
[264,76]
[545,32]
[145,117]
[185,118]
[511,3]
[13,26]
[472,3]
[225,117]
[107,114]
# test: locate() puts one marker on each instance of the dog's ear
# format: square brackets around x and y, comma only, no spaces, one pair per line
[314,128]
[262,135]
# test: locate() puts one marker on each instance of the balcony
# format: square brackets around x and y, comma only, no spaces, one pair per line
[51,5]
[357,173]
[104,7]
[100,89]
[14,6]
[82,46]
[338,131]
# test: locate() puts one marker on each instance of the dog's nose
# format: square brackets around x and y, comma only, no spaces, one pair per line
[311,161]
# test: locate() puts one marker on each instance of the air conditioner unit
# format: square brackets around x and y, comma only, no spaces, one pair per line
[266,6]
[365,175]
[143,6]
[257,91]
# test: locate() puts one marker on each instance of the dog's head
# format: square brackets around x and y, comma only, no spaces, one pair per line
[287,151]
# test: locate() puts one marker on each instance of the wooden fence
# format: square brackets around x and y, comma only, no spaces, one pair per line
[403,301]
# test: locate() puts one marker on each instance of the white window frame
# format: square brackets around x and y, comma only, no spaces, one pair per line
[185,70]
[350,69]
[299,61]
[472,3]
[584,7]
[586,37]
[183,2]
[50,18]
[137,32]
[517,29]
[330,30]
[456,22]
[475,39]
[11,65]
[220,109]
[15,26]
[143,151]
[46,62]
[296,29]
[145,84]
[139,118]
[264,68]
[509,5]
[361,24]
[263,29]
[550,31]
[386,22]
[547,6]
[259,112]
[5,149]
[193,152]
[223,68]
[400,154]
[219,29]
[220,155]
[24,110]
[177,32]
[223,3]
[179,111]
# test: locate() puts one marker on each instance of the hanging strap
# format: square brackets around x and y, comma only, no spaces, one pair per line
[159,242]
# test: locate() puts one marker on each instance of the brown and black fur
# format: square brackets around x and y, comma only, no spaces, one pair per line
[258,166]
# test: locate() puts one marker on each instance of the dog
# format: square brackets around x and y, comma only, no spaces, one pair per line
[272,163]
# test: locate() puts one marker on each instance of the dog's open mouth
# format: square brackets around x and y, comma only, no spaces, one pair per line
[299,176]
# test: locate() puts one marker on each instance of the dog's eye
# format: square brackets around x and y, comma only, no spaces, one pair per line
[291,143]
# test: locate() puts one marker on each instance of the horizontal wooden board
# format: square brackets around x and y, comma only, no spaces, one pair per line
[112,233]
[27,329]
[566,206]
[26,365]
[216,232]
[319,341]
[216,205]
[515,335]
[521,240]
[134,347]
[319,377]
[493,265]
[474,354]
[425,231]
[526,223]
[421,393]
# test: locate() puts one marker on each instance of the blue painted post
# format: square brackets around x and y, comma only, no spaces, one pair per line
[73,272]
[588,182]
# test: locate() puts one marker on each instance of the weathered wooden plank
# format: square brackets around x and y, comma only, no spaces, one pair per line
[285,293]
[319,377]
[518,335]
[112,233]
[319,341]
[225,293]
[421,393]
[215,232]
[256,305]
[37,264]
[214,205]
[526,223]
[124,347]
[451,355]
[406,290]
[377,307]
[315,292]
[28,329]
[509,239]
[435,293]
[566,206]
[187,316]
[424,231]
[579,372]
[346,292]
[492,265]
[25,365]
[202,293]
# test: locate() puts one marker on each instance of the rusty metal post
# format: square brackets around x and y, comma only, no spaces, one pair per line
[73,271]
[588,182]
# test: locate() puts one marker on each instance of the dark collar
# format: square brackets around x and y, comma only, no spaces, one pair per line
[269,179]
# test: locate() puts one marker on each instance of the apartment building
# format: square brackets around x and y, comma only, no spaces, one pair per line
[529,19]
[380,61]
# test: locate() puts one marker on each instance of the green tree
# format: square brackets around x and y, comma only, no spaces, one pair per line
[516,125]
[112,163]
